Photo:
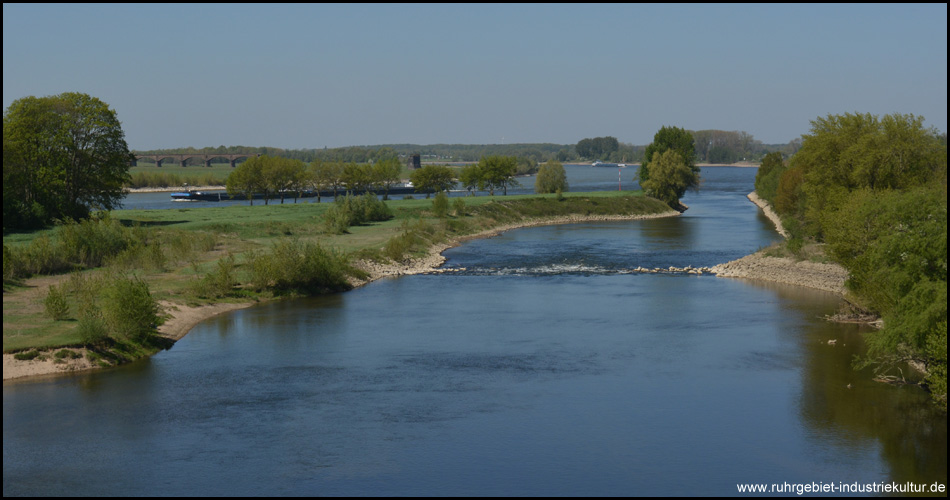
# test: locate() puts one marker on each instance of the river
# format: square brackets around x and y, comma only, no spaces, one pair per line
[544,368]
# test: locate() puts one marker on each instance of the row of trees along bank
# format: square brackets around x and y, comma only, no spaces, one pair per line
[874,191]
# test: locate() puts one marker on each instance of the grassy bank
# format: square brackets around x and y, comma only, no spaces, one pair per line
[193,257]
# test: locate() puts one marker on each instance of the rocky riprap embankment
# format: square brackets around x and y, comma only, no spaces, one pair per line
[822,276]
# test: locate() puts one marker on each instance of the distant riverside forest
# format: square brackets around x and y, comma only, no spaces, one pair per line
[712,146]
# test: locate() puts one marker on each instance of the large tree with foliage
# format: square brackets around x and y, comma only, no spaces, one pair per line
[675,138]
[63,157]
[551,178]
[670,178]
[854,151]
[247,179]
[767,176]
[432,178]
[874,190]
[386,172]
[498,172]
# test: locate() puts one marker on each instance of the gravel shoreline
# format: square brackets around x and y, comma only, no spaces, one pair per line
[821,276]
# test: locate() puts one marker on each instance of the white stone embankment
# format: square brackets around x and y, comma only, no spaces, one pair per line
[822,276]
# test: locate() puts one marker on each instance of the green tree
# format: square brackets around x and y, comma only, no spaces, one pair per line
[498,172]
[386,172]
[670,178]
[551,178]
[854,150]
[471,178]
[63,157]
[767,176]
[246,179]
[674,138]
[358,177]
[432,178]
[281,175]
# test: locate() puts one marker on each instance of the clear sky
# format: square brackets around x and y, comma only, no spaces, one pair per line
[308,76]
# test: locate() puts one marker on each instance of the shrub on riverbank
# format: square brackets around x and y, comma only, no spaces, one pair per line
[94,243]
[294,266]
[353,211]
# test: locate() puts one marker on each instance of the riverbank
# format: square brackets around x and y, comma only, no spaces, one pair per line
[181,318]
[828,277]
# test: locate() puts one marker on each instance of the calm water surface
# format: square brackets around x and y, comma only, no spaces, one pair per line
[544,368]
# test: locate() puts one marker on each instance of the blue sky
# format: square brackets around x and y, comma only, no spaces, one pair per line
[309,76]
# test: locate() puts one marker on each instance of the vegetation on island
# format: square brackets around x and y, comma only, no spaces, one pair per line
[671,168]
[873,191]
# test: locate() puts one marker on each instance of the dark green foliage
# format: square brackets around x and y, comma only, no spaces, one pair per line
[674,138]
[67,353]
[598,148]
[91,329]
[854,151]
[670,178]
[26,356]
[220,282]
[767,177]
[64,156]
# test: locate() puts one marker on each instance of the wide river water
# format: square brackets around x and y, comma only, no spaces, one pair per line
[544,368]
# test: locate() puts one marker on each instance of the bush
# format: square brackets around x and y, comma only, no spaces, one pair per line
[129,310]
[55,304]
[302,267]
[459,206]
[26,356]
[551,178]
[92,330]
[440,205]
[220,282]
[353,211]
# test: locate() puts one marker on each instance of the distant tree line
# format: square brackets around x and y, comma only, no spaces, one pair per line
[711,146]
